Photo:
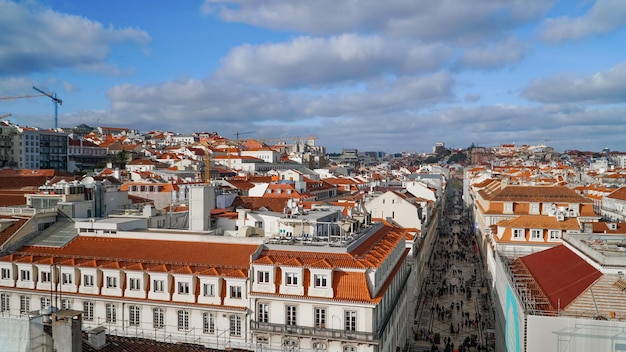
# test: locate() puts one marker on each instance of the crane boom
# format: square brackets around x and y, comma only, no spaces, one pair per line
[56,102]
[21,96]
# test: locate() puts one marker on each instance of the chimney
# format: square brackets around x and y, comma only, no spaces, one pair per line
[201,202]
[97,338]
[66,330]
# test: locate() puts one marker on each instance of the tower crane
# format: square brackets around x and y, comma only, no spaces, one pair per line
[56,102]
[237,134]
[5,116]
[22,96]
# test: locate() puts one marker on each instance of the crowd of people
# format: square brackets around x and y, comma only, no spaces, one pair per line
[450,317]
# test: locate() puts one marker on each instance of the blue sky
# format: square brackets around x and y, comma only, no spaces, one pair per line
[396,75]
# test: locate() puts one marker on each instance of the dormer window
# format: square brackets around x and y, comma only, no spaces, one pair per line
[111,282]
[264,277]
[320,281]
[534,208]
[235,292]
[5,273]
[25,275]
[508,207]
[518,234]
[134,283]
[291,279]
[555,234]
[45,276]
[183,288]
[66,278]
[536,234]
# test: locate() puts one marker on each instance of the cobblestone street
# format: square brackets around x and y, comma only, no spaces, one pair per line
[453,313]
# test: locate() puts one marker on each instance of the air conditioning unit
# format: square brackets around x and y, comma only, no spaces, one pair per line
[560,217]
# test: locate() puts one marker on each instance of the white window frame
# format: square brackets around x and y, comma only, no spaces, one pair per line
[134,315]
[88,280]
[158,318]
[111,282]
[235,325]
[534,208]
[134,284]
[263,312]
[66,303]
[183,320]
[208,323]
[24,275]
[319,316]
[208,290]
[183,287]
[5,303]
[158,285]
[555,234]
[45,277]
[5,273]
[24,304]
[88,311]
[350,320]
[66,278]
[235,292]
[111,313]
[46,302]
[291,315]
[263,277]
[537,232]
[320,281]
[518,234]
[291,279]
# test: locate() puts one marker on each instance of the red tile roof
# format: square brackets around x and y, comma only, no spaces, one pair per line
[561,274]
[11,229]
[218,255]
[619,194]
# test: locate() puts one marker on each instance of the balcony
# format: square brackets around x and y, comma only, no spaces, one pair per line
[311,332]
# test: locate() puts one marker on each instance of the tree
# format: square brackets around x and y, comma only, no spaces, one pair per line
[121,158]
[457,157]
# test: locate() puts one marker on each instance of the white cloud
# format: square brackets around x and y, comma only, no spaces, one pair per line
[426,19]
[307,61]
[40,40]
[602,87]
[495,55]
[602,17]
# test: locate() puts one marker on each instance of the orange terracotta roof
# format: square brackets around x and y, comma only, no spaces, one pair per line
[351,286]
[619,194]
[538,194]
[255,203]
[116,250]
[602,227]
[369,254]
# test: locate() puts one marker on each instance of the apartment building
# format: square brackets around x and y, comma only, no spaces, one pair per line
[201,287]
[31,148]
